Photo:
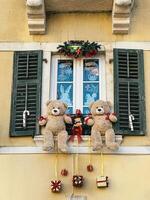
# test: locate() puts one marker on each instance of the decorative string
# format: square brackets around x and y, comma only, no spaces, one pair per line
[102,164]
[77,159]
[73,170]
[90,157]
[56,163]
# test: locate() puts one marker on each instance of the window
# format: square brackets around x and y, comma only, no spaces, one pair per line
[77,82]
[129,91]
[26,93]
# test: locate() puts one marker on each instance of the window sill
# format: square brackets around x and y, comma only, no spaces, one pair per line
[74,147]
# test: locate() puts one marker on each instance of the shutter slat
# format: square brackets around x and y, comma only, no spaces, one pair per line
[27,92]
[129,87]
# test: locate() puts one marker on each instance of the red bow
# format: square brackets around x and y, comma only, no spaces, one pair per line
[42,118]
[76,131]
[108,114]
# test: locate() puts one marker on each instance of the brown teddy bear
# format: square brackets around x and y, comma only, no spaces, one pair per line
[102,119]
[55,125]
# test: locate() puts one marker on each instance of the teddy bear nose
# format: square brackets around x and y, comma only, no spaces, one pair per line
[55,110]
[99,109]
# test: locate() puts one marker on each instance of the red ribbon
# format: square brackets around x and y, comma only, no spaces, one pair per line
[108,114]
[106,180]
[76,131]
[101,181]
[42,118]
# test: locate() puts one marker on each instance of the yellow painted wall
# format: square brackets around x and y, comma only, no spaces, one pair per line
[61,27]
[27,177]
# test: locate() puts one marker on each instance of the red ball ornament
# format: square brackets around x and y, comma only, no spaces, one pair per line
[90,168]
[64,172]
[78,52]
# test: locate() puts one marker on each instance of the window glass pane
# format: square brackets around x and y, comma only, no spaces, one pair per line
[65,93]
[65,71]
[65,83]
[90,82]
[69,110]
[90,93]
[86,110]
[91,70]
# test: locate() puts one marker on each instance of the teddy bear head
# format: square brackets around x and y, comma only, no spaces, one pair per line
[56,107]
[100,107]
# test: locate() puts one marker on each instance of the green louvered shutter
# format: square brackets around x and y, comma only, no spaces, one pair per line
[129,91]
[26,93]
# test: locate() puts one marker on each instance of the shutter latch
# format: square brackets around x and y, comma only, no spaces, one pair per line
[25,113]
[131,119]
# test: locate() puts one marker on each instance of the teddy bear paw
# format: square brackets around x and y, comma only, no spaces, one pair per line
[64,150]
[97,147]
[48,148]
[113,146]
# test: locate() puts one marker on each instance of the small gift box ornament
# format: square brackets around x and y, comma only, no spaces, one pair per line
[102,182]
[77,181]
[56,186]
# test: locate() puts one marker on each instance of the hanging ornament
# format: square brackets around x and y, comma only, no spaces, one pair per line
[77,181]
[56,186]
[90,167]
[102,181]
[64,172]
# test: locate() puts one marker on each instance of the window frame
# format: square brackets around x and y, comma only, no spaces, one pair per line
[78,79]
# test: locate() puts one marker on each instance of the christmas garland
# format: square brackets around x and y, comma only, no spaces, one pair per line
[79,49]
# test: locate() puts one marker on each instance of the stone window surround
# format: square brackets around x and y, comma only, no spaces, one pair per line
[51,47]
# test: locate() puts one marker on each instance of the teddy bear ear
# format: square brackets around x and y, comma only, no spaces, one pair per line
[66,106]
[48,102]
[91,104]
[109,103]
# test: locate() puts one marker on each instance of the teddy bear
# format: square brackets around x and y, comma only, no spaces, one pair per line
[55,125]
[123,2]
[101,120]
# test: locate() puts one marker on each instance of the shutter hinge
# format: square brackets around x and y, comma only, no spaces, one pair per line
[45,60]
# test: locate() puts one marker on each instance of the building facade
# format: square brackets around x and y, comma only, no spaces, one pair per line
[30,74]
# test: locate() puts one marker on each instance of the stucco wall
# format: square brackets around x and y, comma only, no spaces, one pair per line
[28,177]
[61,27]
